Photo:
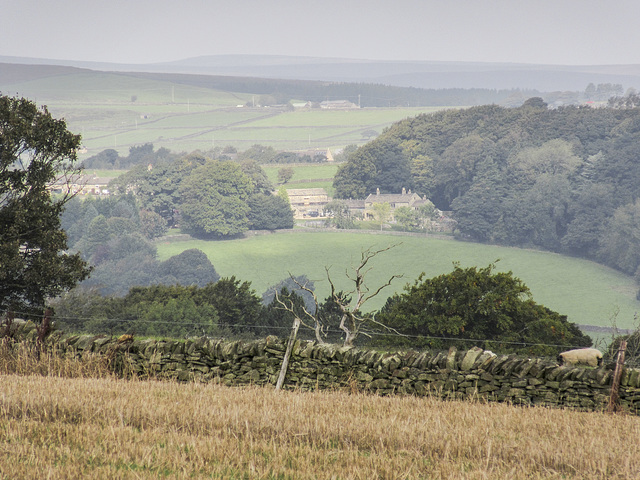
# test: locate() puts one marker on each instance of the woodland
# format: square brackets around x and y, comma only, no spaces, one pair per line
[564,180]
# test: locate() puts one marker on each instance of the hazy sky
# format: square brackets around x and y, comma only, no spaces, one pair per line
[574,32]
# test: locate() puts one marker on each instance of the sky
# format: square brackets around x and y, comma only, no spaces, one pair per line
[558,32]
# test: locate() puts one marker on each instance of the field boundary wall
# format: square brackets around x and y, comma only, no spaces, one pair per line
[448,374]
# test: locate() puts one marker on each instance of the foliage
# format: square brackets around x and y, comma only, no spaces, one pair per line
[632,352]
[620,244]
[293,284]
[562,179]
[339,215]
[139,155]
[152,225]
[35,151]
[254,171]
[191,267]
[280,312]
[495,310]
[379,164]
[239,308]
[213,199]
[382,212]
[269,212]
[226,306]
[258,153]
[285,174]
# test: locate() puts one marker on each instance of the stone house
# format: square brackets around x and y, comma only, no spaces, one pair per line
[307,202]
[395,200]
[81,185]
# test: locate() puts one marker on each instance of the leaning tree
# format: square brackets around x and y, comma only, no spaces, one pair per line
[36,152]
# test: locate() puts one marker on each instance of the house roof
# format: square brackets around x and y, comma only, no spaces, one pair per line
[407,198]
[306,191]
[354,203]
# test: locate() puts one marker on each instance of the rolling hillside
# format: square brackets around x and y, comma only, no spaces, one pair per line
[589,293]
[185,113]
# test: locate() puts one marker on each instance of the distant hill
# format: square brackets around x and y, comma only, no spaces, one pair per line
[13,77]
[432,75]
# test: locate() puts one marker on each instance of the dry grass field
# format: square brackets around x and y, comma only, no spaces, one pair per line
[62,419]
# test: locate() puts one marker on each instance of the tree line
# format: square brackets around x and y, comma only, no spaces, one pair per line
[364,94]
[207,197]
[565,180]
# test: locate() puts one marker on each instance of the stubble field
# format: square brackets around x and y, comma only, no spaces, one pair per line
[70,421]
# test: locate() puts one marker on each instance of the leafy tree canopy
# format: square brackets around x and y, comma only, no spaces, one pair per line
[214,199]
[35,151]
[491,309]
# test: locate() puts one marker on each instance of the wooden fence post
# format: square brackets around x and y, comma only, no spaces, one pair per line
[615,386]
[287,354]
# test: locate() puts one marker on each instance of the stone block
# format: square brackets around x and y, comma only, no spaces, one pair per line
[470,358]
[379,384]
[451,358]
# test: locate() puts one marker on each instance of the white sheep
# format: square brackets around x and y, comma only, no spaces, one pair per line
[581,356]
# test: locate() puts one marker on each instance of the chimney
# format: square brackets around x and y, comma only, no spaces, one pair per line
[377,191]
[404,192]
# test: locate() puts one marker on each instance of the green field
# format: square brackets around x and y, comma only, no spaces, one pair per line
[589,293]
[305,176]
[116,110]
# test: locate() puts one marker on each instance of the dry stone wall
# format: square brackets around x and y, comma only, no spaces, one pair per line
[448,374]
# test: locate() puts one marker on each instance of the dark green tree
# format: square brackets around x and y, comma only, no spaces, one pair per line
[152,225]
[214,199]
[239,308]
[478,211]
[355,177]
[493,310]
[269,212]
[35,151]
[285,174]
[278,318]
[620,244]
[258,153]
[261,183]
[191,267]
[300,285]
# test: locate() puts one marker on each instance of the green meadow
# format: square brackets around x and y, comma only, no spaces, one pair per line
[589,293]
[305,176]
[116,110]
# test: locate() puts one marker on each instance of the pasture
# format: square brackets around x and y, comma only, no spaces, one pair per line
[116,110]
[305,176]
[589,293]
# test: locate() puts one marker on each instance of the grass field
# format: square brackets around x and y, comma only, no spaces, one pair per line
[60,428]
[589,293]
[116,110]
[305,176]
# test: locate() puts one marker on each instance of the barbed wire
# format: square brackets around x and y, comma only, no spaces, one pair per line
[328,331]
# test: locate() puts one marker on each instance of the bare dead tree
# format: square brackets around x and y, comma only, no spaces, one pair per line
[352,319]
[307,319]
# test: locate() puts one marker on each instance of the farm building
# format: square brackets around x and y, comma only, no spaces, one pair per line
[307,201]
[395,200]
[81,185]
